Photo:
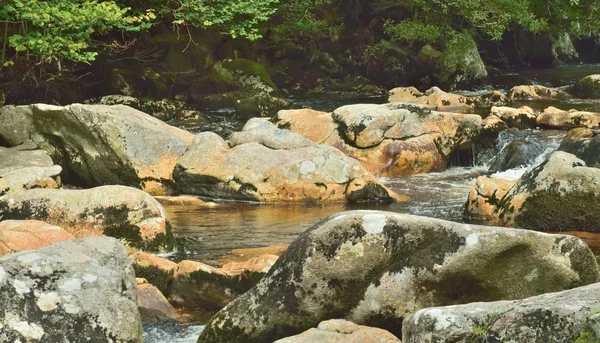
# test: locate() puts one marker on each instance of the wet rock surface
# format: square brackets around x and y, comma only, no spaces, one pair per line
[556,317]
[374,268]
[82,290]
[554,118]
[122,212]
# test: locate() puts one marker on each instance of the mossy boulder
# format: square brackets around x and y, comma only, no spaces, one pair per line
[374,268]
[587,149]
[100,144]
[262,105]
[561,194]
[126,213]
[555,317]
[588,87]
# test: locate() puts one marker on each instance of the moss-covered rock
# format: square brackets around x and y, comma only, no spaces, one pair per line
[460,63]
[261,105]
[555,317]
[125,213]
[374,268]
[100,144]
[588,87]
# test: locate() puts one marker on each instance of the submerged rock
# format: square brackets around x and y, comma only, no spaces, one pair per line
[122,212]
[342,331]
[554,118]
[373,268]
[267,164]
[552,318]
[518,153]
[25,167]
[391,139]
[17,235]
[80,290]
[99,144]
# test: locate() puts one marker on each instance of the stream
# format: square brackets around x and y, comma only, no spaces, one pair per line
[208,234]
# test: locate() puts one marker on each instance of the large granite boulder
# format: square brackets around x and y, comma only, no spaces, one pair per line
[25,167]
[100,144]
[391,139]
[122,212]
[80,290]
[554,118]
[561,194]
[266,164]
[588,87]
[17,235]
[373,268]
[550,318]
[342,331]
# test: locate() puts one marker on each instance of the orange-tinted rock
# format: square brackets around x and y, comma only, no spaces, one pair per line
[342,331]
[404,94]
[554,118]
[158,271]
[577,134]
[260,264]
[412,156]
[484,198]
[434,98]
[153,305]
[493,123]
[17,235]
[317,126]
[533,92]
[116,211]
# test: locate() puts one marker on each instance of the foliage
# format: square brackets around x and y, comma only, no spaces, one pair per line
[54,30]
[237,18]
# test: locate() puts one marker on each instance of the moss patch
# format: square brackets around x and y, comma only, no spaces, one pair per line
[551,211]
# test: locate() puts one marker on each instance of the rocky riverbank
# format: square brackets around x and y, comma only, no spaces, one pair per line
[72,175]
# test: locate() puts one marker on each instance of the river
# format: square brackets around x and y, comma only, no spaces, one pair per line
[208,234]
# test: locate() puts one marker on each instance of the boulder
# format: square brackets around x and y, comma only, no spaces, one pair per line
[576,134]
[373,268]
[561,194]
[100,144]
[535,92]
[81,290]
[390,139]
[193,284]
[197,285]
[565,316]
[484,197]
[26,167]
[183,200]
[518,153]
[342,331]
[122,212]
[17,235]
[588,87]
[243,254]
[554,118]
[262,105]
[158,271]
[153,305]
[521,118]
[586,146]
[434,98]
[278,166]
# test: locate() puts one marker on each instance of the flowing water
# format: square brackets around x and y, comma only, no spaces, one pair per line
[207,234]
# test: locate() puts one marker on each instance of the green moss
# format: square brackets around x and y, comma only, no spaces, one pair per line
[552,211]
[250,68]
[160,278]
